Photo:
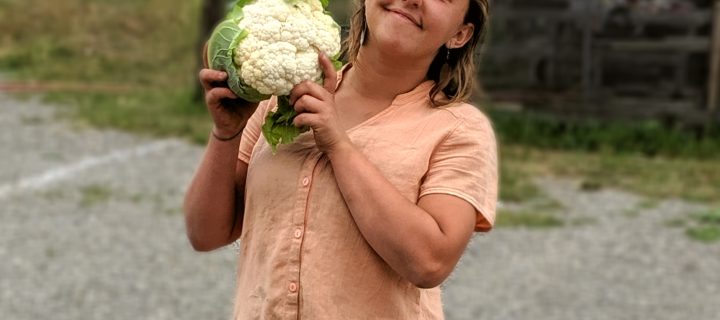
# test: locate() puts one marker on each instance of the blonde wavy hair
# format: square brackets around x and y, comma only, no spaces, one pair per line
[453,71]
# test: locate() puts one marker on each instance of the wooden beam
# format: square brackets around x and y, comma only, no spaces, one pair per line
[714,77]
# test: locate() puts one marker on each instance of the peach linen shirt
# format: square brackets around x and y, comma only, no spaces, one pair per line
[301,254]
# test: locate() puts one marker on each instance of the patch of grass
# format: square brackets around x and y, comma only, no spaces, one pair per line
[657,177]
[645,204]
[516,185]
[707,234]
[649,138]
[582,221]
[711,217]
[648,204]
[528,218]
[545,203]
[94,194]
[705,226]
[172,211]
[675,223]
[164,113]
[701,226]
[137,42]
[147,46]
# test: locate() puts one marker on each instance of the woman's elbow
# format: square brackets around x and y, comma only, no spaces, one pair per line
[197,239]
[200,245]
[431,276]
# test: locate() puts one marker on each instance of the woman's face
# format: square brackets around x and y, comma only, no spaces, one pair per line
[417,28]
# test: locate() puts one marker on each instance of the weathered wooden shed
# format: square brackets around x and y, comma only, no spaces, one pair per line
[606,58]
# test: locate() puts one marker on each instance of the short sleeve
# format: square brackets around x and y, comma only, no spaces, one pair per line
[253,130]
[465,165]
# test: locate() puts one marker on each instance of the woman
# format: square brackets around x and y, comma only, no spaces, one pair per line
[366,215]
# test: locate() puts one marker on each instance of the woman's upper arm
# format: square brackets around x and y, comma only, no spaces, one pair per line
[465,166]
[455,218]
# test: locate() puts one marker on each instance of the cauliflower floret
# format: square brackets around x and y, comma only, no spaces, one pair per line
[297,30]
[271,69]
[308,7]
[247,47]
[277,9]
[307,63]
[327,38]
[264,28]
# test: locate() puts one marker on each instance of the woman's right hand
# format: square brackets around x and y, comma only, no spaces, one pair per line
[229,112]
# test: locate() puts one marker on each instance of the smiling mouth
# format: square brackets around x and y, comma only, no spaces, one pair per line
[408,17]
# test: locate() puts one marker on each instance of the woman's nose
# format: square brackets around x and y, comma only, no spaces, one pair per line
[414,3]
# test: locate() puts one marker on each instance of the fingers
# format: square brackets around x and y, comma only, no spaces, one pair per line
[305,120]
[329,73]
[208,77]
[308,87]
[308,103]
[214,96]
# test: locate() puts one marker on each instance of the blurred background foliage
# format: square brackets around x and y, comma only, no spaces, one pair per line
[132,65]
[143,49]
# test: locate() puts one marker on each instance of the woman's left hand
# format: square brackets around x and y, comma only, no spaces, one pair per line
[315,105]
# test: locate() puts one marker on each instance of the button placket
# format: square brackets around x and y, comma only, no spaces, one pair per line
[298,232]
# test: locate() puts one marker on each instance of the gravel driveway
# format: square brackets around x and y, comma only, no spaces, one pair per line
[91,228]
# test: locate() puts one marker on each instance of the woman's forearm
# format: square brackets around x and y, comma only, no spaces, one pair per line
[212,217]
[402,233]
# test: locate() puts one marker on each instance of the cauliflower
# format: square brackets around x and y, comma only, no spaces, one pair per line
[269,46]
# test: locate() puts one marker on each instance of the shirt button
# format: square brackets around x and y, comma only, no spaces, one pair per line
[298,233]
[292,287]
[305,181]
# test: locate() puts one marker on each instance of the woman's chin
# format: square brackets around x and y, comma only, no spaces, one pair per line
[395,47]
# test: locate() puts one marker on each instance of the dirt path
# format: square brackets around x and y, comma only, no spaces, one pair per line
[91,228]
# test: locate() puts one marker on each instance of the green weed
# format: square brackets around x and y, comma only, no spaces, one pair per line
[528,218]
[94,194]
[706,226]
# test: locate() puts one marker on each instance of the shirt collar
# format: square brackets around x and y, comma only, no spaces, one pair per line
[419,93]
